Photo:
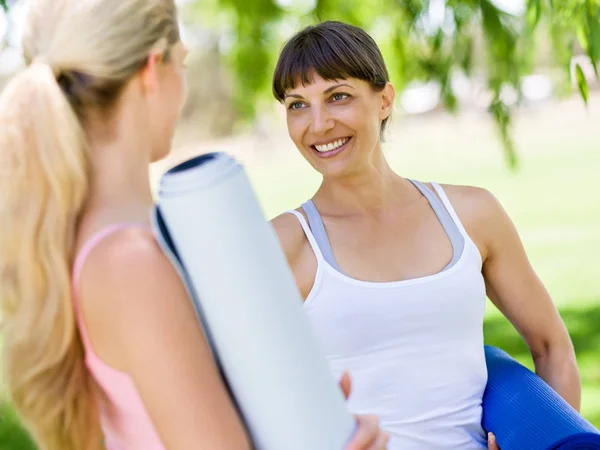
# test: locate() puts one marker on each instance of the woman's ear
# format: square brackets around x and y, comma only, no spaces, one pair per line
[388,95]
[149,75]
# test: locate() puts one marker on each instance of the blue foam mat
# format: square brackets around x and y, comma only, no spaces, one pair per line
[526,414]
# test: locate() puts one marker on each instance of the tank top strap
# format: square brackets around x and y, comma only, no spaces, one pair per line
[446,201]
[309,235]
[315,222]
[80,260]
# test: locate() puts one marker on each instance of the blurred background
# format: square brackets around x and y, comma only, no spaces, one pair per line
[501,94]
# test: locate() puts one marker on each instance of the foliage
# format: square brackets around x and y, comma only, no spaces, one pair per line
[416,46]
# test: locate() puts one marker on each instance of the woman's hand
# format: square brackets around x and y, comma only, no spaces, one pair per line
[368,435]
[492,444]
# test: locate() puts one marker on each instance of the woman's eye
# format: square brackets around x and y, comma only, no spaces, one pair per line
[339,97]
[296,105]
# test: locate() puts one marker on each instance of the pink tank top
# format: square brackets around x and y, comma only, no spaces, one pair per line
[127,425]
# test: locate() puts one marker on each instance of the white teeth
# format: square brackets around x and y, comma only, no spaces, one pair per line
[331,146]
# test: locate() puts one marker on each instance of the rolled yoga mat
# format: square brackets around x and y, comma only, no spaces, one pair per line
[210,223]
[526,414]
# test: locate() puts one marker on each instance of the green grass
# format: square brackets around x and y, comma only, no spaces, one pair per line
[12,435]
[553,200]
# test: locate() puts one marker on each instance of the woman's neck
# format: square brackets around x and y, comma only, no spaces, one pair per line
[372,191]
[120,182]
[117,182]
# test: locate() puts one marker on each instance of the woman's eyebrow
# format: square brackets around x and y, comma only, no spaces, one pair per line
[326,91]
[331,88]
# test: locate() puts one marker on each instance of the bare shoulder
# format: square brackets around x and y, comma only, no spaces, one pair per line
[290,233]
[125,258]
[127,285]
[297,249]
[474,205]
[481,214]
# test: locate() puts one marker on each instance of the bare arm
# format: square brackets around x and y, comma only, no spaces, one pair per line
[514,287]
[299,254]
[142,322]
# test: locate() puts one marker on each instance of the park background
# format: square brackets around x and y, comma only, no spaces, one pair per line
[501,94]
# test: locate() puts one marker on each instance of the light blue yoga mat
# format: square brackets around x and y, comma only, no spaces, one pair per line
[526,414]
[211,225]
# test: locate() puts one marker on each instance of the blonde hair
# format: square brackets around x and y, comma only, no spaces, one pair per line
[80,55]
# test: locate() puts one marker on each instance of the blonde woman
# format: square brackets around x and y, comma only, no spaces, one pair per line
[101,345]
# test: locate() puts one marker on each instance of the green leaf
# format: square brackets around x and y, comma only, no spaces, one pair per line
[438,40]
[534,13]
[502,116]
[4,5]
[462,13]
[593,37]
[582,84]
[448,97]
[466,61]
[412,8]
[562,41]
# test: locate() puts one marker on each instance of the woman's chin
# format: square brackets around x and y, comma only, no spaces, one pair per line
[331,168]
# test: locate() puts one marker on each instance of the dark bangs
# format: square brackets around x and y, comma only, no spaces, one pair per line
[334,51]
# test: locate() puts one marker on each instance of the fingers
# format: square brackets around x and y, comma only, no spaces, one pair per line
[367,433]
[381,443]
[346,384]
[492,444]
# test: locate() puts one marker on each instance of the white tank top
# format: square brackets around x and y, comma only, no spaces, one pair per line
[414,348]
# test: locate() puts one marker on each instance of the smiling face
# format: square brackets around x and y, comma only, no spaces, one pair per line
[335,86]
[336,124]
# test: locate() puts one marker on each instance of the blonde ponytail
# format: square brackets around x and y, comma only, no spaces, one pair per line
[42,189]
[81,54]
